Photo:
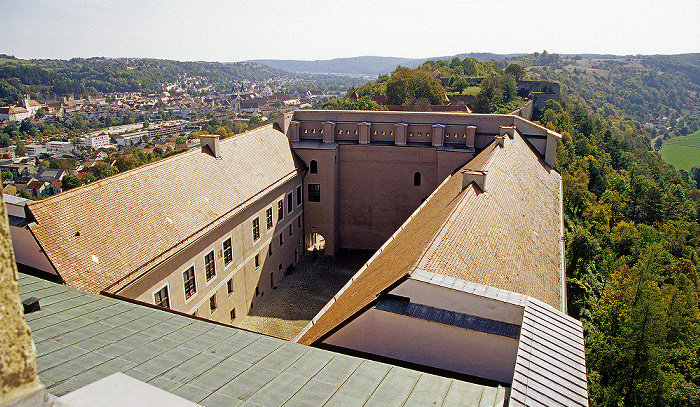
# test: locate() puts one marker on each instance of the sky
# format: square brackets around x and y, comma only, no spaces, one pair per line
[236,30]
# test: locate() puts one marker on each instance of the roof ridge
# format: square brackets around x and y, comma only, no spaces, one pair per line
[113,178]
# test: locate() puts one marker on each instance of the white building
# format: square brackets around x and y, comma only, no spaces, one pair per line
[95,141]
[131,139]
[65,146]
[35,149]
[14,113]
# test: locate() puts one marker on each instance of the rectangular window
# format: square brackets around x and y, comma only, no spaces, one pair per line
[299,195]
[299,222]
[314,193]
[228,251]
[268,215]
[209,267]
[233,314]
[269,250]
[272,280]
[280,210]
[257,260]
[160,298]
[291,230]
[281,239]
[290,202]
[229,286]
[190,285]
[257,290]
[256,229]
[212,303]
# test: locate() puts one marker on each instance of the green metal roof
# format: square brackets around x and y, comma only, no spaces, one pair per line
[81,338]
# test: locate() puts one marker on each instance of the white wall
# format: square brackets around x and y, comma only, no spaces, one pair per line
[458,301]
[430,343]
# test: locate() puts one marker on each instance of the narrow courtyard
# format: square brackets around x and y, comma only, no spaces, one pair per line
[288,308]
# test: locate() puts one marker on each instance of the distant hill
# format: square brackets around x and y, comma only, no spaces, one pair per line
[365,65]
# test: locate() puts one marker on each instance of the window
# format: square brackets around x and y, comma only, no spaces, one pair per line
[272,280]
[190,285]
[257,290]
[268,215]
[280,210]
[299,222]
[416,179]
[256,229]
[290,202]
[228,251]
[209,267]
[257,260]
[281,239]
[269,250]
[212,303]
[291,231]
[233,314]
[314,192]
[229,286]
[313,167]
[160,298]
[299,195]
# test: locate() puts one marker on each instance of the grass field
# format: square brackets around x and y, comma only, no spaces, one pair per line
[682,152]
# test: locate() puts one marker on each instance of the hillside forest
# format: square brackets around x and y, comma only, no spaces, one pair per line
[632,232]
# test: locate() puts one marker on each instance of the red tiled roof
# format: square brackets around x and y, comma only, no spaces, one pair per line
[102,233]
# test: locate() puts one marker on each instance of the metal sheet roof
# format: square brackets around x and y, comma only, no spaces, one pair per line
[550,369]
[81,338]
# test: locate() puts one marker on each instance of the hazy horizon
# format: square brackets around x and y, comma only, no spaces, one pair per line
[312,30]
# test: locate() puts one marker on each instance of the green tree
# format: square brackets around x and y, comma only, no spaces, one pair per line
[489,94]
[20,148]
[470,66]
[70,181]
[516,70]
[103,170]
[127,162]
[7,176]
[254,119]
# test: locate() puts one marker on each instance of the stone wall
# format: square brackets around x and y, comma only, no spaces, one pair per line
[19,384]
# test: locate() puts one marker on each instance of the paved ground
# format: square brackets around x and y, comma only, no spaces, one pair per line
[287,309]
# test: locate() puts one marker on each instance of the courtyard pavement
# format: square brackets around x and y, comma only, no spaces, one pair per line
[289,307]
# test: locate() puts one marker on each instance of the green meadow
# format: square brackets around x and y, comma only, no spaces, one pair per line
[682,152]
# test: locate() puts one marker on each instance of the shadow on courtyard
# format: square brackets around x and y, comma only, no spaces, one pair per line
[288,308]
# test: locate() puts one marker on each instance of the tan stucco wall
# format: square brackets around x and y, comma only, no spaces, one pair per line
[17,353]
[241,269]
[321,217]
[376,192]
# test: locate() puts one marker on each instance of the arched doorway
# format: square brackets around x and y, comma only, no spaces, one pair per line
[315,244]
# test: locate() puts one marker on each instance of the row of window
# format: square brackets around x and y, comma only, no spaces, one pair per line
[280,213]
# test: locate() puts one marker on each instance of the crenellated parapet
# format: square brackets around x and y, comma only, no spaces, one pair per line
[454,131]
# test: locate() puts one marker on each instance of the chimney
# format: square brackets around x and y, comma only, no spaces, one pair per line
[500,140]
[509,130]
[210,144]
[476,176]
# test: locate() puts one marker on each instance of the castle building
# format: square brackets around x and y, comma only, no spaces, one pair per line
[463,210]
